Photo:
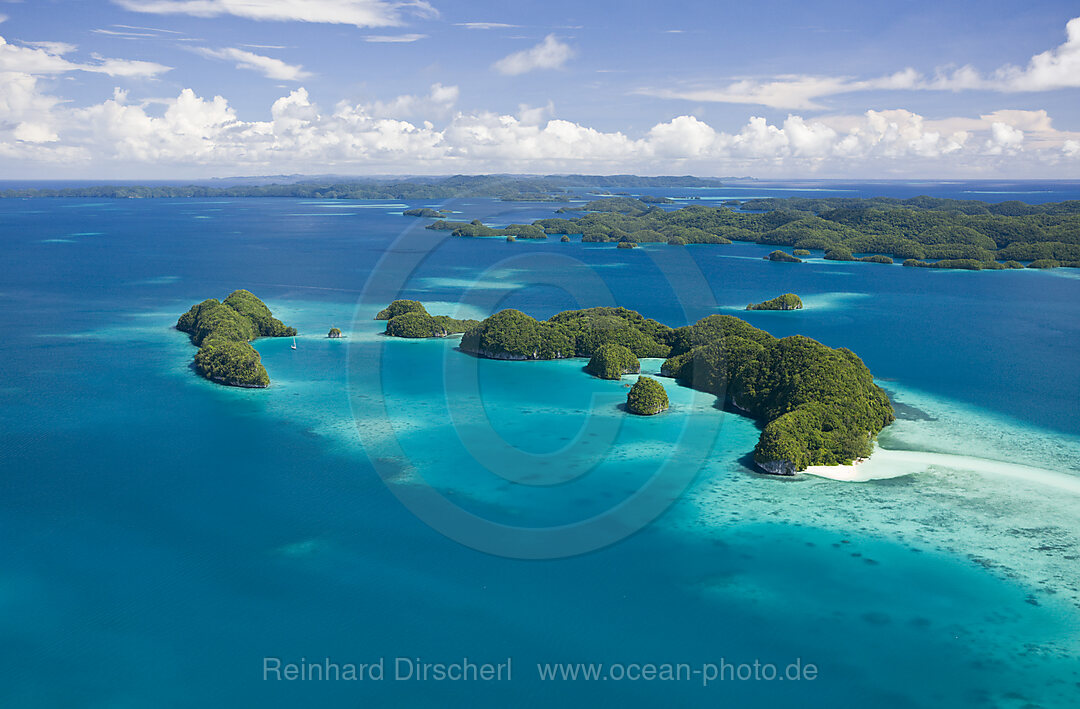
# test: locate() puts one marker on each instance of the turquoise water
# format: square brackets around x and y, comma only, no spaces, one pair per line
[163,535]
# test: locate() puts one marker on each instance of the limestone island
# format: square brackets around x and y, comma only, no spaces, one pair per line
[787,301]
[476,228]
[647,397]
[427,212]
[223,332]
[611,361]
[410,319]
[818,405]
[334,333]
[782,256]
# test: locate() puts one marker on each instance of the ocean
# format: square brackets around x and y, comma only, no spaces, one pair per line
[165,536]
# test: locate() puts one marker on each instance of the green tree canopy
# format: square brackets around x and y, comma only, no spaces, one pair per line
[783,256]
[611,361]
[787,301]
[223,332]
[400,306]
[647,397]
[415,324]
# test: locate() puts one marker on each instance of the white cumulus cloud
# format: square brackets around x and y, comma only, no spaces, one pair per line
[34,133]
[549,54]
[1057,68]
[1004,138]
[438,101]
[193,135]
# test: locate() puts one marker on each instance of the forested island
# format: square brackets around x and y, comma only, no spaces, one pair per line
[783,257]
[410,319]
[223,331]
[647,397]
[923,231]
[818,405]
[426,212]
[612,361]
[787,301]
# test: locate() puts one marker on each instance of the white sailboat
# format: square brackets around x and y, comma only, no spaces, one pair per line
[294,343]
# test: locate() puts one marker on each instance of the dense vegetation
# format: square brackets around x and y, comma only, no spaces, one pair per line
[511,334]
[969,264]
[787,301]
[819,405]
[417,325]
[410,319]
[647,397]
[401,306]
[592,328]
[783,257]
[507,187]
[477,228]
[611,361]
[1048,263]
[223,331]
[876,230]
[427,212]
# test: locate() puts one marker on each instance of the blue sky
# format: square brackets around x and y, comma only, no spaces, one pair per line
[198,88]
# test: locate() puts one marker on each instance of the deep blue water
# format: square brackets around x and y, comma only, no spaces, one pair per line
[163,535]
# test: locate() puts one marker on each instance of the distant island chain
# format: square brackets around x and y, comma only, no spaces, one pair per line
[925,232]
[922,232]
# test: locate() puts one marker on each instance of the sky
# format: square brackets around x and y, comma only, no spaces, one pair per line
[188,89]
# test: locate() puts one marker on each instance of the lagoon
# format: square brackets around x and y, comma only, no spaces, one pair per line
[168,533]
